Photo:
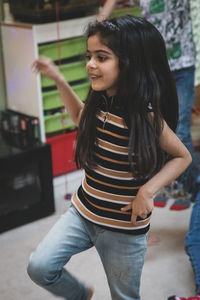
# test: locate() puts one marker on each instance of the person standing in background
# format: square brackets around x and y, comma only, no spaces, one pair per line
[192,239]
[172,19]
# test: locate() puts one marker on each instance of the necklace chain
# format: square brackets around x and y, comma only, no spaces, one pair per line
[107,112]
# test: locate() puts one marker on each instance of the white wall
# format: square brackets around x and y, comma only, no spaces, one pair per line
[2,81]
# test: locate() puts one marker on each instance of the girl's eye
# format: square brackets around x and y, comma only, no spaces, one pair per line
[102,58]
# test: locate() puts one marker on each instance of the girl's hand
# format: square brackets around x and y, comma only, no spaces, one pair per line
[47,68]
[141,206]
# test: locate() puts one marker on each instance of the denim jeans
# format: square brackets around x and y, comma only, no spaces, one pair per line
[122,256]
[184,79]
[192,240]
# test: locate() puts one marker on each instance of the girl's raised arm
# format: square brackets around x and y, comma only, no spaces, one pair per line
[72,103]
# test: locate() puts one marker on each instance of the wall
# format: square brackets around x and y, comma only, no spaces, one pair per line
[2,81]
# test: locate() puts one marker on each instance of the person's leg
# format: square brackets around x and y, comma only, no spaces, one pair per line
[122,256]
[67,237]
[192,245]
[184,79]
[192,241]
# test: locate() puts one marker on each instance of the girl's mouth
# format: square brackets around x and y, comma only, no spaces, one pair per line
[94,77]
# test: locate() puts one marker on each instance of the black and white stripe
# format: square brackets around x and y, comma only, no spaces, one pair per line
[110,185]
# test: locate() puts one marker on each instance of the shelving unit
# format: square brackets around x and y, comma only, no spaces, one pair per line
[35,95]
[22,44]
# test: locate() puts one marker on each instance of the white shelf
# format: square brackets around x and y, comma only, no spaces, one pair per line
[20,48]
[71,28]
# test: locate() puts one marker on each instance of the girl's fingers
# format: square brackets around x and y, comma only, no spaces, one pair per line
[34,68]
[133,218]
[143,216]
[39,65]
[127,207]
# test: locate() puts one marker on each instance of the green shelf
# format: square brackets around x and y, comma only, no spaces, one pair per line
[68,48]
[57,122]
[72,72]
[52,99]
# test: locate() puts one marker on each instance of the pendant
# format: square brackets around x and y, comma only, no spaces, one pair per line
[108,110]
[105,119]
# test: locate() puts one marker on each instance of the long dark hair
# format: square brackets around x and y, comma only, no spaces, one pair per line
[145,80]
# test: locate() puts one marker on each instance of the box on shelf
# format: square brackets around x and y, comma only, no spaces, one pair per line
[63,149]
[72,72]
[82,90]
[52,99]
[68,48]
[57,122]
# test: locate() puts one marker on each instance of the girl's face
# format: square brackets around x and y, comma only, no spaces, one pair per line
[102,66]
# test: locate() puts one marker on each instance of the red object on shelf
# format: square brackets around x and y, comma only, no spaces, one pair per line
[63,149]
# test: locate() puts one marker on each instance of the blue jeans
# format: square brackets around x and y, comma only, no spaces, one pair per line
[122,256]
[192,240]
[184,79]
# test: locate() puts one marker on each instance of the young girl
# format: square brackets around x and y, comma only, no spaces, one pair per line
[127,146]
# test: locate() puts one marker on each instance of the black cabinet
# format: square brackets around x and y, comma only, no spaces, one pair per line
[26,184]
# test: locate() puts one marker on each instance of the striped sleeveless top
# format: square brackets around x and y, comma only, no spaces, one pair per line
[110,186]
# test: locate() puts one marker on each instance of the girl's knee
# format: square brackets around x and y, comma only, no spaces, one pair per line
[38,270]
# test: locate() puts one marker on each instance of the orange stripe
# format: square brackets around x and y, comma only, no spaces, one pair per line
[123,150]
[112,160]
[105,221]
[113,185]
[108,209]
[108,196]
[113,134]
[114,173]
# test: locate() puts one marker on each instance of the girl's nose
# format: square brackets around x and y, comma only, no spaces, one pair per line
[91,63]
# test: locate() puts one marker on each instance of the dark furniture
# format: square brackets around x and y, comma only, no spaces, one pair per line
[26,189]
